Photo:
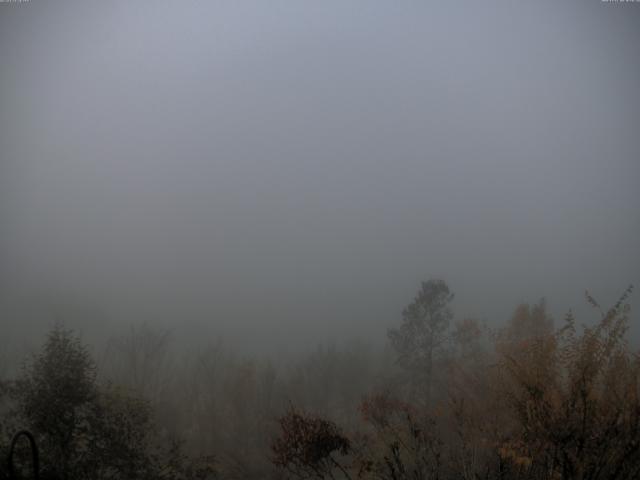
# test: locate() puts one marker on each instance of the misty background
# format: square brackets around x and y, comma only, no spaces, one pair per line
[281,174]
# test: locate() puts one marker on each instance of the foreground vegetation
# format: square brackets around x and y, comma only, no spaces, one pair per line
[449,399]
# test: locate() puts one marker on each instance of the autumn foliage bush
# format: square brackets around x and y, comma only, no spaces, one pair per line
[576,400]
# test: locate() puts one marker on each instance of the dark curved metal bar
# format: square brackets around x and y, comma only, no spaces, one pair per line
[34,454]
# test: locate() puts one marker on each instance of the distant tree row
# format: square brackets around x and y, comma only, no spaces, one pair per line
[449,399]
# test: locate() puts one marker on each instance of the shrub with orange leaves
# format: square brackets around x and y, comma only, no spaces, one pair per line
[576,400]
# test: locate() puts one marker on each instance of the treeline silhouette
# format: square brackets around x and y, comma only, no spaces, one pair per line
[447,399]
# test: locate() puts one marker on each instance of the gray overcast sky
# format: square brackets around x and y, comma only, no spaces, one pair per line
[293,169]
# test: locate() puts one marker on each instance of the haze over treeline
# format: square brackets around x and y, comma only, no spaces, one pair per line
[284,174]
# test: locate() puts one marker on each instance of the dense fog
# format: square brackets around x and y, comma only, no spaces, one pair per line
[288,172]
[273,181]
